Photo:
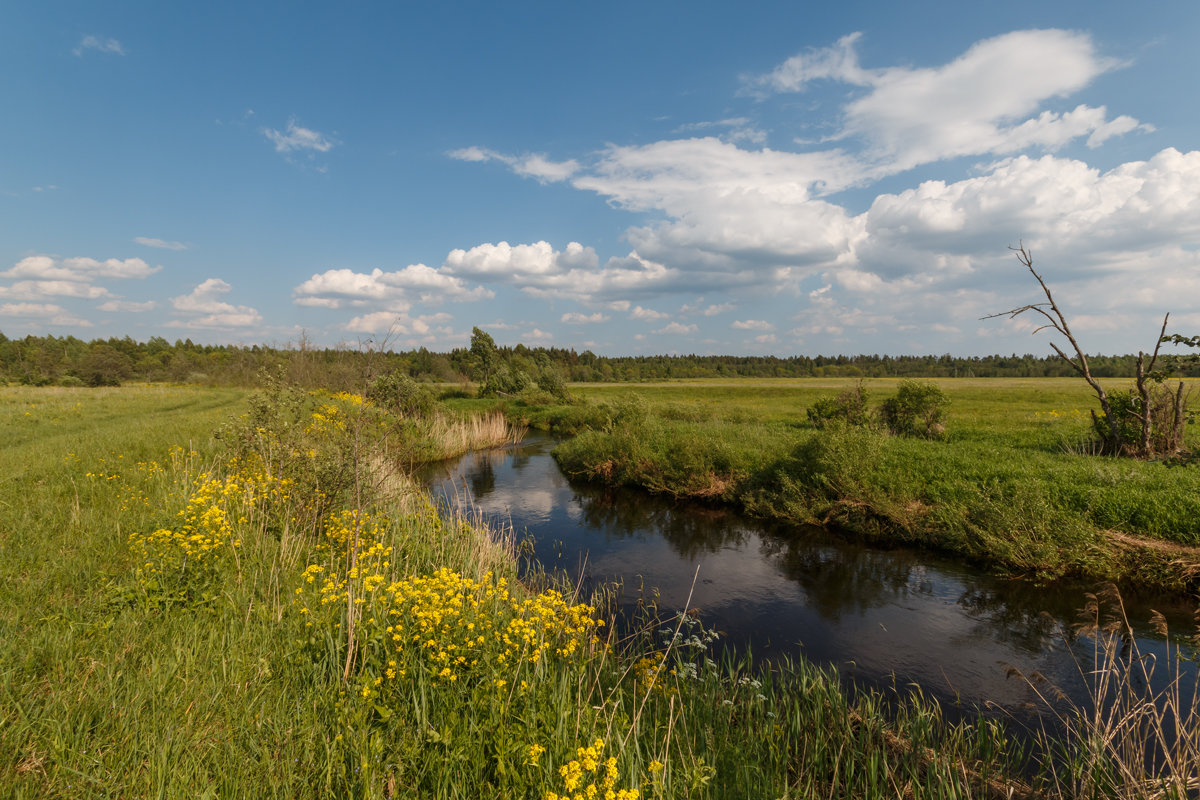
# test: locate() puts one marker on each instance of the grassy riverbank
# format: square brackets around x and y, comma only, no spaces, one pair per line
[1010,486]
[272,613]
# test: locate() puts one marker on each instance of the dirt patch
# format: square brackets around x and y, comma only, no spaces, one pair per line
[1182,551]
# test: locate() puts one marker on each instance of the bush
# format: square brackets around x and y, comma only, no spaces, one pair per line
[400,393]
[506,381]
[849,406]
[918,409]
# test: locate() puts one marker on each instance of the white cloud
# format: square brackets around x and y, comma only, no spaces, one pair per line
[396,290]
[160,243]
[99,44]
[648,314]
[36,290]
[572,273]
[678,329]
[839,62]
[740,129]
[48,312]
[516,264]
[475,154]
[42,277]
[576,318]
[537,335]
[30,309]
[752,325]
[389,322]
[296,138]
[978,103]
[1089,220]
[82,270]
[212,312]
[127,306]
[532,165]
[922,262]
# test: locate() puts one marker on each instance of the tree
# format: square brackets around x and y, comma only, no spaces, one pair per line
[1143,422]
[104,365]
[484,354]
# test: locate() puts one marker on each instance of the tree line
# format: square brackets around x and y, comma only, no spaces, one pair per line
[54,360]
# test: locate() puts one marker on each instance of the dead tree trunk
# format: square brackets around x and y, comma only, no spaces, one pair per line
[1056,321]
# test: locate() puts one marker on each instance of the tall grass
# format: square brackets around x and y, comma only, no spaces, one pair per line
[1137,732]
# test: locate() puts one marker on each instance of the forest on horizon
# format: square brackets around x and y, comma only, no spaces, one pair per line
[68,360]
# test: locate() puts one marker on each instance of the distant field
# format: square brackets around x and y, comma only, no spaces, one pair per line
[1012,483]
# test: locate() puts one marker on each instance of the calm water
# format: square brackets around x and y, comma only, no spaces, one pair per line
[884,617]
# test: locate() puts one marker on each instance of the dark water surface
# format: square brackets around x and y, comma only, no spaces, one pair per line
[884,617]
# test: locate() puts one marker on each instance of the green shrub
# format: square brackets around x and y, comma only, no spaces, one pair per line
[917,409]
[400,393]
[848,406]
[506,381]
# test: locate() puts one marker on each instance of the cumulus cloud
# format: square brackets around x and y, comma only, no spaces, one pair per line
[725,216]
[677,329]
[99,44]
[396,290]
[43,312]
[576,318]
[648,314]
[746,216]
[572,273]
[79,270]
[35,290]
[204,308]
[43,277]
[520,263]
[162,244]
[1063,208]
[978,103]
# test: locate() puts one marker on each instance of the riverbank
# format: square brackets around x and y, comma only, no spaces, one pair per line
[1011,486]
[262,613]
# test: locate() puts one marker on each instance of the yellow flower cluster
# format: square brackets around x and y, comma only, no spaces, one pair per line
[327,420]
[349,398]
[456,623]
[588,778]
[650,674]
[208,524]
[447,624]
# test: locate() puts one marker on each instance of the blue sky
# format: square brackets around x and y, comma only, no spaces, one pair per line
[753,178]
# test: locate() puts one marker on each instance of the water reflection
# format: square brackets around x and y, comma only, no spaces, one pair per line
[883,616]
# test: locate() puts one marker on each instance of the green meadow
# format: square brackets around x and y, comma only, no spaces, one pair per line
[221,593]
[1013,483]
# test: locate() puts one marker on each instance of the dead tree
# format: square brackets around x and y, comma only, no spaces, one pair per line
[1170,406]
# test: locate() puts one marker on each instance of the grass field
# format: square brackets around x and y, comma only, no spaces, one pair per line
[1011,485]
[272,613]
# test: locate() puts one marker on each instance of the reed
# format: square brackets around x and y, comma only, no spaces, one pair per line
[1137,732]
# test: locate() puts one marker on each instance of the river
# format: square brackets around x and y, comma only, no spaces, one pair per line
[884,617]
